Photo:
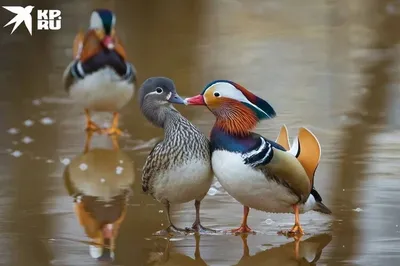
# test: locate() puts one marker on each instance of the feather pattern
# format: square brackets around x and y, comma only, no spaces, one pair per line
[255,150]
[260,156]
[182,144]
[79,70]
[235,118]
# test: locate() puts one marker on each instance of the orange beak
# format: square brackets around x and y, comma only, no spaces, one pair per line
[108,42]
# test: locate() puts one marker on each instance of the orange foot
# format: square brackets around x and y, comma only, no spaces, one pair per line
[91,127]
[112,131]
[243,229]
[296,232]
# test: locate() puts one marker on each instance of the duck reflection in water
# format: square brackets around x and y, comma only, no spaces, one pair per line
[297,252]
[100,181]
[166,257]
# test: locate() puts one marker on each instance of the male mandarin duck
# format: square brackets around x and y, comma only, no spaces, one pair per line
[257,172]
[100,78]
[178,169]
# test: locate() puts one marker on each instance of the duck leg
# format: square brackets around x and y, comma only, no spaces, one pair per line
[243,228]
[246,251]
[297,247]
[296,229]
[172,228]
[114,130]
[89,135]
[90,125]
[197,255]
[114,139]
[197,226]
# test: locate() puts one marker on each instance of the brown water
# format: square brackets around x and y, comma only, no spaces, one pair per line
[328,65]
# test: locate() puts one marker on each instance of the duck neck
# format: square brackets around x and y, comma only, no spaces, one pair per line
[235,126]
[235,119]
[173,119]
[159,115]
[221,140]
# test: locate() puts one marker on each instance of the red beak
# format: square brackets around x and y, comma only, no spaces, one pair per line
[108,42]
[195,100]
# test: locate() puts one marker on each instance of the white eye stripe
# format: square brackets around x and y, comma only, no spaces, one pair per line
[95,21]
[227,90]
[151,93]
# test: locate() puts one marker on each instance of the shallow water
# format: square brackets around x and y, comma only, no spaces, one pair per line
[326,65]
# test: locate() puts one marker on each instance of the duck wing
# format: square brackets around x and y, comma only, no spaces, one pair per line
[307,149]
[272,159]
[283,138]
[151,166]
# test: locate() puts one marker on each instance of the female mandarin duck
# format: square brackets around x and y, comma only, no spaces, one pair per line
[178,169]
[257,172]
[99,77]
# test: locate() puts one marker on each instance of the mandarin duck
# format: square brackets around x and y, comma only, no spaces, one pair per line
[259,173]
[178,169]
[100,182]
[99,78]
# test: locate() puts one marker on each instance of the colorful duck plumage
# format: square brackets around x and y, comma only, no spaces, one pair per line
[258,172]
[99,78]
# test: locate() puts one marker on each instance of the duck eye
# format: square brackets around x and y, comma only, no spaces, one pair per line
[159,90]
[216,94]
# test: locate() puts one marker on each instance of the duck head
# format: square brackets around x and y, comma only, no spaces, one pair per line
[237,110]
[102,21]
[156,96]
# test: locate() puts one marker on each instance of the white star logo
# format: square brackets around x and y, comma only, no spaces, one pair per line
[23,15]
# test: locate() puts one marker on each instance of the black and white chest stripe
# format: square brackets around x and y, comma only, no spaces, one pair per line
[260,156]
[79,71]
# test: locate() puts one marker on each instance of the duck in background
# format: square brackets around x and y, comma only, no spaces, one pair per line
[100,182]
[178,169]
[257,172]
[100,78]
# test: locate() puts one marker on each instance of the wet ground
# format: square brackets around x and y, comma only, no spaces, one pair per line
[328,65]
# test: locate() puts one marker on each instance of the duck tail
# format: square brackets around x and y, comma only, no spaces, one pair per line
[320,207]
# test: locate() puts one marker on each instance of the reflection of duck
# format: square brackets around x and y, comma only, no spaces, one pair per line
[100,181]
[306,252]
[176,259]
